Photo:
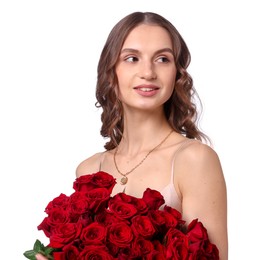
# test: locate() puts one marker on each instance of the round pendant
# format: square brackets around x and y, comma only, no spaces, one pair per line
[124,180]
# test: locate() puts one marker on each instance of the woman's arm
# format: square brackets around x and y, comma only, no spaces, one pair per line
[200,181]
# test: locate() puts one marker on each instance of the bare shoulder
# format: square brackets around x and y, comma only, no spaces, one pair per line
[89,165]
[198,163]
[198,155]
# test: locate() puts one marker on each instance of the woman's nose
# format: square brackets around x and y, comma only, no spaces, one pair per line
[147,71]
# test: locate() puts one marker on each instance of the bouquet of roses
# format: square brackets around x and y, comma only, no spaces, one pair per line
[91,224]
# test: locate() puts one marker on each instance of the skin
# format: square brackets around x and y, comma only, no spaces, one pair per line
[142,59]
[146,59]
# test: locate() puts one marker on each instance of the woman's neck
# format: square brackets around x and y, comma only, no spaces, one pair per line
[143,131]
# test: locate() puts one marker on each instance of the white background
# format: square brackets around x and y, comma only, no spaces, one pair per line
[48,59]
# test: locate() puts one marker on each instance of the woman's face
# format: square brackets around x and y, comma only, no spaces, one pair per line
[146,68]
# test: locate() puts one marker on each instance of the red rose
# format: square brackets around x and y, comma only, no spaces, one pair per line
[138,203]
[45,227]
[103,180]
[121,209]
[176,235]
[123,197]
[142,246]
[60,202]
[95,252]
[153,198]
[70,252]
[59,256]
[107,218]
[211,250]
[177,250]
[83,183]
[177,245]
[196,231]
[203,250]
[90,224]
[64,234]
[98,198]
[157,218]
[95,180]
[154,255]
[170,220]
[128,254]
[93,234]
[120,234]
[79,203]
[58,216]
[173,212]
[143,226]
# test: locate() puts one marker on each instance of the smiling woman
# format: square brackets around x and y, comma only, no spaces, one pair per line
[150,119]
[148,69]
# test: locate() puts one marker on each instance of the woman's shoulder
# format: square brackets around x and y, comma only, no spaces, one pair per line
[90,165]
[198,156]
[197,149]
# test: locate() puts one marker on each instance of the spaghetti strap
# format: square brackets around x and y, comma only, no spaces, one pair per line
[169,192]
[183,144]
[101,160]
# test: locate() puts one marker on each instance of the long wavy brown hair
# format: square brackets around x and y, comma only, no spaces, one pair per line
[180,110]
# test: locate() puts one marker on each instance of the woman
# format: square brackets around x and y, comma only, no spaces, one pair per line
[150,119]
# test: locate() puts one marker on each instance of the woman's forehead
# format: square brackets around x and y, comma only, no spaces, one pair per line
[145,35]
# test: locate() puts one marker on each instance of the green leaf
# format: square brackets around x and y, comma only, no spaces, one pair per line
[38,246]
[49,250]
[41,249]
[30,254]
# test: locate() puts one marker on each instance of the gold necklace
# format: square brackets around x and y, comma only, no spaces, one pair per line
[124,179]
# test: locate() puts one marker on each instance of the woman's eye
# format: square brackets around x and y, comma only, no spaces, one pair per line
[131,59]
[163,59]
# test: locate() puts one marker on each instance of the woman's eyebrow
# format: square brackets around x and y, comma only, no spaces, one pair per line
[165,50]
[127,50]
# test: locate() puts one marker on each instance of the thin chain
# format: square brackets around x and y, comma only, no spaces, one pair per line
[125,174]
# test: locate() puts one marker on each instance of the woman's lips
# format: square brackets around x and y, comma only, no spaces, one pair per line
[146,90]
